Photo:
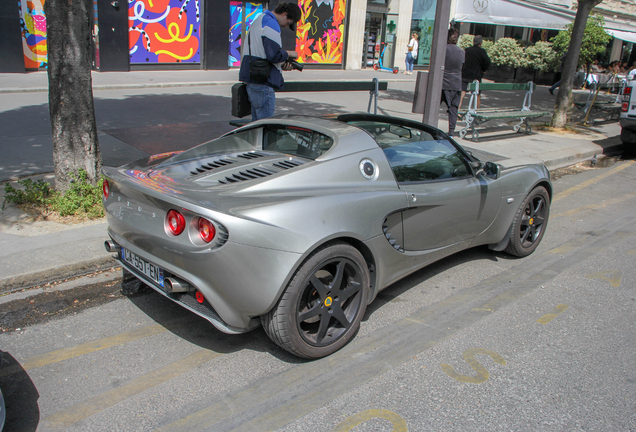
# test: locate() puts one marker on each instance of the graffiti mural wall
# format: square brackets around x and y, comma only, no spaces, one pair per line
[33,24]
[240,13]
[164,31]
[320,33]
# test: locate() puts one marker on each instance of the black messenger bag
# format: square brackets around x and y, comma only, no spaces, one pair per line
[259,68]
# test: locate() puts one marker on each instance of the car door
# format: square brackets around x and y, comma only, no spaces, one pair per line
[447,202]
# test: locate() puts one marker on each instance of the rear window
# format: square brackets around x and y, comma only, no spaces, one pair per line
[295,141]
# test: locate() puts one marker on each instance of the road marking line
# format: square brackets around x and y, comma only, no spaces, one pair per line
[552,314]
[615,279]
[585,184]
[482,372]
[85,348]
[594,206]
[399,425]
[92,406]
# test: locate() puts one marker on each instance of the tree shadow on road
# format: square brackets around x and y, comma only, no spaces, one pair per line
[150,123]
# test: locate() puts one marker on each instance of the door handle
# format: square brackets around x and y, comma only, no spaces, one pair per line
[114,4]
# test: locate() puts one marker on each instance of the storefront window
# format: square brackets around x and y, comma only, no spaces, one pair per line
[422,23]
[164,32]
[320,32]
[488,31]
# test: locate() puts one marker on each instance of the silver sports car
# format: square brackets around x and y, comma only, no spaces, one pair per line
[297,223]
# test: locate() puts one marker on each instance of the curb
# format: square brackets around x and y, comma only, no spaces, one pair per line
[158,85]
[30,280]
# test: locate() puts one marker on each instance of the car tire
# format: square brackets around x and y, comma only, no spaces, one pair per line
[530,223]
[320,310]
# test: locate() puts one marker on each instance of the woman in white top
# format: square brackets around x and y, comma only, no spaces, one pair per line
[411,53]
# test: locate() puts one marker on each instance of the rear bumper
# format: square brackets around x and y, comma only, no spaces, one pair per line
[239,282]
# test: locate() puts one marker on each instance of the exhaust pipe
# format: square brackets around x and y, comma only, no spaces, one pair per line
[111,246]
[174,285]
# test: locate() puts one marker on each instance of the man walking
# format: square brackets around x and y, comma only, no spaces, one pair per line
[476,64]
[452,85]
[264,42]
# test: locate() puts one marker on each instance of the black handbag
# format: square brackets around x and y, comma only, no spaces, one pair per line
[259,68]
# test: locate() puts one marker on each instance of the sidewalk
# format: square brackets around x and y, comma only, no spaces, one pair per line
[196,104]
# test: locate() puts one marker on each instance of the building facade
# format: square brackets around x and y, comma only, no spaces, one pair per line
[336,34]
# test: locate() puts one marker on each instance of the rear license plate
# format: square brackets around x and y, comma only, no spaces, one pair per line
[152,271]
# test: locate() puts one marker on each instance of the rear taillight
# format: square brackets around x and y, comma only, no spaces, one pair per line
[627,93]
[106,188]
[175,222]
[206,230]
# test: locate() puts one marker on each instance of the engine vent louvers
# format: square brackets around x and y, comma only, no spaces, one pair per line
[254,173]
[211,165]
[287,164]
[251,155]
[392,241]
[248,174]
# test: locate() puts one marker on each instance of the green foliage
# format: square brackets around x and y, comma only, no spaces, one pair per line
[34,192]
[487,45]
[595,40]
[505,52]
[541,56]
[81,199]
[465,41]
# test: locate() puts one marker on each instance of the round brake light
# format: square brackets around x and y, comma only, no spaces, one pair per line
[176,222]
[106,188]
[206,230]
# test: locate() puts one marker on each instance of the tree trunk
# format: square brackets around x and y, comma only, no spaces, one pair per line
[75,144]
[564,97]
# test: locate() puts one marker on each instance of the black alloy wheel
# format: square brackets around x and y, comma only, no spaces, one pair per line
[530,223]
[321,309]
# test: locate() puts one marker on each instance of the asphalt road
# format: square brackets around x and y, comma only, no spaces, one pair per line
[478,341]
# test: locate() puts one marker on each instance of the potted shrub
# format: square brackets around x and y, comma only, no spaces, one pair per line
[506,55]
[544,60]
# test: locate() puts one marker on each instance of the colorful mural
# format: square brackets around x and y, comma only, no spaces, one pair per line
[164,31]
[319,36]
[33,23]
[252,10]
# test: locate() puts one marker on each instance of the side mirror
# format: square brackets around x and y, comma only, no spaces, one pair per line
[492,170]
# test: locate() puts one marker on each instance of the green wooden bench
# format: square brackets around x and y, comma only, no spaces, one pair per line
[593,104]
[473,117]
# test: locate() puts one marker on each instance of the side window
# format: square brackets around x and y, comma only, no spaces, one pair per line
[426,160]
[414,154]
[295,141]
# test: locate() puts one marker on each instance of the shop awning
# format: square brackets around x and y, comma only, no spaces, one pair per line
[622,35]
[511,13]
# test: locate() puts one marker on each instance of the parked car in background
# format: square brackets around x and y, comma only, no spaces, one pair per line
[296,223]
[628,112]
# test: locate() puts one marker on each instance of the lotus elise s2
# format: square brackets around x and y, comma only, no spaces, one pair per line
[296,223]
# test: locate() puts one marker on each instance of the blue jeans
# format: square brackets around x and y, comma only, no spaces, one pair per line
[409,62]
[263,100]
